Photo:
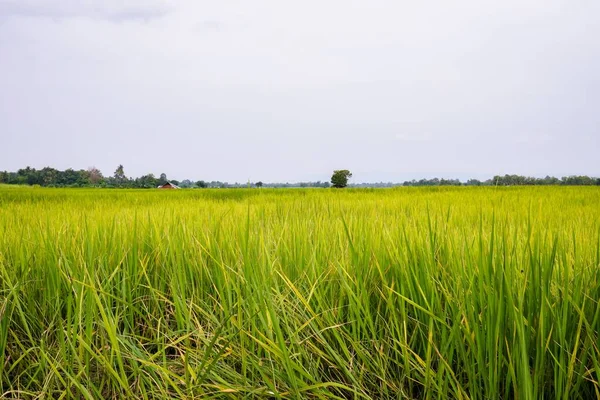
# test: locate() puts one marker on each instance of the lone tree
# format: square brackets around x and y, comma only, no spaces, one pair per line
[259,184]
[120,177]
[339,179]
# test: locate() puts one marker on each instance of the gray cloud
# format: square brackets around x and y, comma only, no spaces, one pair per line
[106,9]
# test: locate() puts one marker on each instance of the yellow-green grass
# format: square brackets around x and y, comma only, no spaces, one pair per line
[433,293]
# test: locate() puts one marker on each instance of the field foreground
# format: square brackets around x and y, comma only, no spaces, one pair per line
[434,293]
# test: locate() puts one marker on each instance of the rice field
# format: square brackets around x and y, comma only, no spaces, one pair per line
[408,293]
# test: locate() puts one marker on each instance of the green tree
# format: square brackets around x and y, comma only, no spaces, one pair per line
[49,176]
[186,183]
[120,175]
[259,184]
[147,181]
[29,176]
[68,177]
[201,184]
[339,179]
[163,179]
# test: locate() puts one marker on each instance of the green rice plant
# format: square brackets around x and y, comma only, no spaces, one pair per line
[407,293]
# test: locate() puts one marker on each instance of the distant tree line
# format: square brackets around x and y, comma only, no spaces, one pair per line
[509,180]
[92,177]
[506,180]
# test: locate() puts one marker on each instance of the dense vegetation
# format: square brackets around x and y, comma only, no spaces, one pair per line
[92,177]
[440,293]
[509,180]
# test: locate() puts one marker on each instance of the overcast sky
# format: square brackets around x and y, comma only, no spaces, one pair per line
[278,90]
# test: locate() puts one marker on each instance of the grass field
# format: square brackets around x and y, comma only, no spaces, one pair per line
[409,293]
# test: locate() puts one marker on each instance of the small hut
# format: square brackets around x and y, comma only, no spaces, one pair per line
[168,185]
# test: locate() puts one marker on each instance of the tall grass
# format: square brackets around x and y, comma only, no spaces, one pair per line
[412,293]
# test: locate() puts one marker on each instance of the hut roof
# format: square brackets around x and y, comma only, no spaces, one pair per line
[168,185]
